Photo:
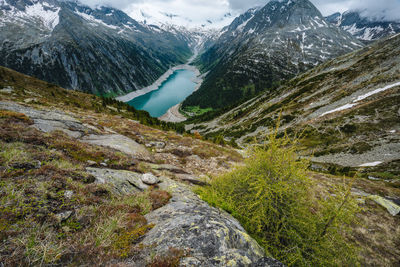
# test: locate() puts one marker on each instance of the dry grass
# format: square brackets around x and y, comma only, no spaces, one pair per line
[377,233]
[97,226]
[171,259]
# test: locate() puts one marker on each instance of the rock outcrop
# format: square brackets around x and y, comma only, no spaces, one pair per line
[54,120]
[211,236]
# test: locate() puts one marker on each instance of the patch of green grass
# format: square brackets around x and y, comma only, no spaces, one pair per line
[195,111]
[14,153]
[278,204]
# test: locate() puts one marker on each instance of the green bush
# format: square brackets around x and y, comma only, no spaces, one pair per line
[276,202]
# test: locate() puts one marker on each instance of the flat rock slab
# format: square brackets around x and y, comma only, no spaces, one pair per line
[50,120]
[167,167]
[54,120]
[122,182]
[213,237]
[191,179]
[120,143]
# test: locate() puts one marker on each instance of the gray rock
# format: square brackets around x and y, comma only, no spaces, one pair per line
[120,143]
[213,237]
[91,163]
[68,194]
[7,90]
[49,120]
[158,145]
[150,179]
[167,167]
[389,205]
[30,100]
[191,179]
[121,182]
[63,216]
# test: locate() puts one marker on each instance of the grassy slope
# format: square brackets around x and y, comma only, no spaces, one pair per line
[300,102]
[39,170]
[41,191]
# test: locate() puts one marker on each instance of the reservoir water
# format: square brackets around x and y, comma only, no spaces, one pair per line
[174,90]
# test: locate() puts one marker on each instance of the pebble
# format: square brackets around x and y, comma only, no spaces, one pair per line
[150,179]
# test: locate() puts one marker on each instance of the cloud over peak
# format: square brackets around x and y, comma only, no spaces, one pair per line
[198,12]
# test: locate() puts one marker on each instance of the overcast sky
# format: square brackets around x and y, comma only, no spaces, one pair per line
[197,12]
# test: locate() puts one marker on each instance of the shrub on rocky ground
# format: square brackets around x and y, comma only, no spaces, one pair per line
[276,202]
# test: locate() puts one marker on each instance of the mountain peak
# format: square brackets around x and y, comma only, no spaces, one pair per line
[363,27]
[267,45]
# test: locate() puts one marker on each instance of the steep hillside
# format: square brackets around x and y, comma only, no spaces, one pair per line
[83,183]
[364,28]
[101,51]
[347,110]
[265,46]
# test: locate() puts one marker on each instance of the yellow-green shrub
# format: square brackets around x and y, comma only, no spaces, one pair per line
[275,201]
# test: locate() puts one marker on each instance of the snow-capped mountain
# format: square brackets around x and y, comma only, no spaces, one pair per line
[198,38]
[157,17]
[364,28]
[101,50]
[264,46]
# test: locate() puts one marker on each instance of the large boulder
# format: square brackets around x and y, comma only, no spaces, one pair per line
[211,236]
[121,182]
[120,143]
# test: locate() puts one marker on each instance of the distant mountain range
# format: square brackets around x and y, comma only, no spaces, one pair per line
[102,50]
[265,46]
[364,28]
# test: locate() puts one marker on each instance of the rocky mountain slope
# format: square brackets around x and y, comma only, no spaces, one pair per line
[347,110]
[265,46]
[364,28]
[101,51]
[83,183]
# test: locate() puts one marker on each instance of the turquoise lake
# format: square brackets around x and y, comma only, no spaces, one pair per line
[174,90]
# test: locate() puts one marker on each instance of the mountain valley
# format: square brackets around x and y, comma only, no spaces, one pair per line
[286,153]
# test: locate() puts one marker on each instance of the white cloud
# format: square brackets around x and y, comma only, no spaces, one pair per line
[379,9]
[197,12]
[183,12]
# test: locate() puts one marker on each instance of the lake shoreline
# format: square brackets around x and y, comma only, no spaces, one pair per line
[172,114]
[156,85]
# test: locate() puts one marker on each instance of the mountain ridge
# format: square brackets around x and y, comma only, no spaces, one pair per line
[364,28]
[346,108]
[265,46]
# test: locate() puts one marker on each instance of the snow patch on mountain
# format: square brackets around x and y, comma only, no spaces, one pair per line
[45,13]
[94,21]
[360,98]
